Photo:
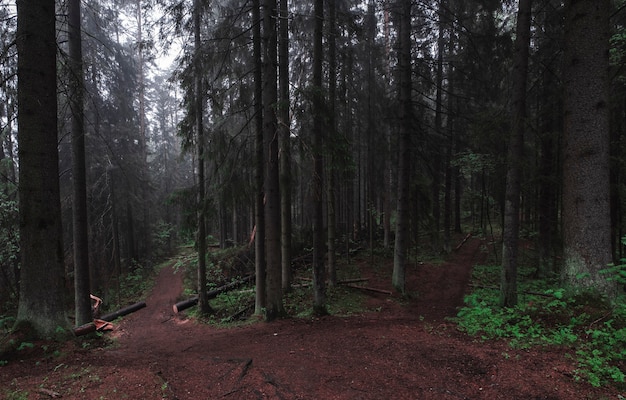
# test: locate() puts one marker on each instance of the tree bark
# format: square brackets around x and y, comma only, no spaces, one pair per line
[402,217]
[449,206]
[142,85]
[586,207]
[332,132]
[274,296]
[547,203]
[259,242]
[199,127]
[79,177]
[438,148]
[510,234]
[41,302]
[319,271]
[284,126]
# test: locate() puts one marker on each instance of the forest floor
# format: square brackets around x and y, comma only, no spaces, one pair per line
[400,349]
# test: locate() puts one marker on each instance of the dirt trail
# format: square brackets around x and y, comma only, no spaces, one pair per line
[405,350]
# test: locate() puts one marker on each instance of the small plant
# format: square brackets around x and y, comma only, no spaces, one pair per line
[15,395]
[25,345]
[6,322]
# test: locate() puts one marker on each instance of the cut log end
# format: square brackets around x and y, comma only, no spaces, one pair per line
[101,323]
[185,304]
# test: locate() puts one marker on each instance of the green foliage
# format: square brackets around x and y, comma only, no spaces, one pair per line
[599,357]
[25,345]
[590,330]
[133,286]
[184,200]
[617,49]
[162,239]
[616,273]
[185,260]
[6,323]
[473,163]
[229,306]
[231,303]
[15,394]
[9,250]
[340,301]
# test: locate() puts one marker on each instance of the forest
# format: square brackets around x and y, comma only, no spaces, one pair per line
[129,127]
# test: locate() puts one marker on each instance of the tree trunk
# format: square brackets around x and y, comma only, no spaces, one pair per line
[450,206]
[447,199]
[510,234]
[586,208]
[79,177]
[284,124]
[131,253]
[437,156]
[389,172]
[319,272]
[142,86]
[332,132]
[41,302]
[546,207]
[199,127]
[402,217]
[144,227]
[274,296]
[259,241]
[457,191]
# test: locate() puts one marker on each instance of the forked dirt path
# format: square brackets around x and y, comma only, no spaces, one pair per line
[406,349]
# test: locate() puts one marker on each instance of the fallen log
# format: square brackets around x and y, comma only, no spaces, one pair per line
[91,327]
[469,235]
[185,304]
[370,289]
[124,311]
[341,282]
[529,292]
[353,280]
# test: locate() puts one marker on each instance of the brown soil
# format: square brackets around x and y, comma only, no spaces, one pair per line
[403,349]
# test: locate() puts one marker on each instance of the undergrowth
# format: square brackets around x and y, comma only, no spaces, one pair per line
[131,287]
[590,329]
[236,306]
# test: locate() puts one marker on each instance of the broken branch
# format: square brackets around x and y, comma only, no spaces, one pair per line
[370,289]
